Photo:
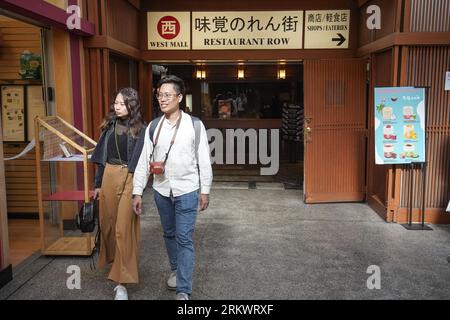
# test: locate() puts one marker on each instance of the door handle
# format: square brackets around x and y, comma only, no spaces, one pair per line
[307,136]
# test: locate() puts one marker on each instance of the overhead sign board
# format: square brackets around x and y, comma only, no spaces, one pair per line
[249,30]
[232,30]
[327,29]
[169,30]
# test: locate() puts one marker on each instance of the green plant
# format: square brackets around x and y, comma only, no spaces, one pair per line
[380,107]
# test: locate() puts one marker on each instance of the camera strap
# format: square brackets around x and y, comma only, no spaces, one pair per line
[171,142]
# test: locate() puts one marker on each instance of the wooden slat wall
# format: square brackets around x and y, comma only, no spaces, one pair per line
[111,18]
[382,77]
[97,88]
[123,22]
[388,10]
[388,17]
[96,66]
[430,16]
[426,68]
[145,76]
[365,35]
[122,73]
[90,9]
[17,37]
[20,180]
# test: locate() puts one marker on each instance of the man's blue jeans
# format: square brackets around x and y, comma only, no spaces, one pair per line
[178,216]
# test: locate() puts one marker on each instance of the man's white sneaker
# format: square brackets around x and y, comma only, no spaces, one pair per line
[121,293]
[172,281]
[182,296]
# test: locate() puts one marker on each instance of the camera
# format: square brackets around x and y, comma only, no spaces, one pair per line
[157,167]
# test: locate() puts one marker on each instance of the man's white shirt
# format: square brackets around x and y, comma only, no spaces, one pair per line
[181,175]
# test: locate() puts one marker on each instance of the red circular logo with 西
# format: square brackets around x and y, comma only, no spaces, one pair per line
[168,27]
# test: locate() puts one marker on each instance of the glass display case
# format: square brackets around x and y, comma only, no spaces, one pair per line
[64,178]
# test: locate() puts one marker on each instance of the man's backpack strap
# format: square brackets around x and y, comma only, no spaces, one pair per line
[197,128]
[153,126]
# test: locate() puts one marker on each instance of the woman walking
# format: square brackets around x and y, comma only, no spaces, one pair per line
[116,156]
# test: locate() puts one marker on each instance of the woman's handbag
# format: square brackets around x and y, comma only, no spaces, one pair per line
[88,216]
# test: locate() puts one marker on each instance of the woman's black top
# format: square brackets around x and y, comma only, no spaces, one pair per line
[130,150]
[120,135]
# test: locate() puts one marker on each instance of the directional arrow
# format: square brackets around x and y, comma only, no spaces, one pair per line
[341,39]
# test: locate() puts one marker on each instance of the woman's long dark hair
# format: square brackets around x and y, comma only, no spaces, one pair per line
[133,105]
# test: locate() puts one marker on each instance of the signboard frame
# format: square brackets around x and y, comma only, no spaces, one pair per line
[247,30]
[400,125]
[327,29]
[178,26]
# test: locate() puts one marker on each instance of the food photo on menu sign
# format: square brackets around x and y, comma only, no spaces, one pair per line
[399,125]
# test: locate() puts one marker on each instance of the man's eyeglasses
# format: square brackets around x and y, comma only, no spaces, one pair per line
[166,96]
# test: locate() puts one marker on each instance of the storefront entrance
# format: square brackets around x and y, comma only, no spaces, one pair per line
[248,106]
[319,110]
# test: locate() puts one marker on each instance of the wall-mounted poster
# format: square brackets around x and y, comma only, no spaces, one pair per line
[30,66]
[399,125]
[13,117]
[35,107]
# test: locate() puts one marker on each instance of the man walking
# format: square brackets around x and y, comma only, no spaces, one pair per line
[176,152]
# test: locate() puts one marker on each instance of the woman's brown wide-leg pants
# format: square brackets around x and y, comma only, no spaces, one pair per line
[120,226]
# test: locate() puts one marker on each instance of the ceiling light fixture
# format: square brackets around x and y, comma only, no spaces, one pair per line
[241,72]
